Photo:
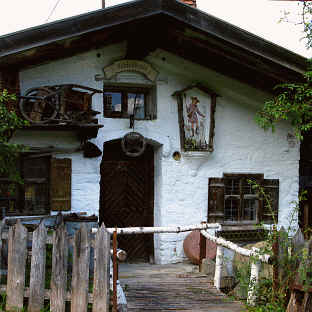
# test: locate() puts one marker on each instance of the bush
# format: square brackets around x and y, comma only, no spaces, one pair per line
[268,297]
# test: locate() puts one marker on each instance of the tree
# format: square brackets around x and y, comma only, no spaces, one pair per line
[293,101]
[302,17]
[9,122]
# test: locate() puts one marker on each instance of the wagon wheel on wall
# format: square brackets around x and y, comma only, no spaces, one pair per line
[39,105]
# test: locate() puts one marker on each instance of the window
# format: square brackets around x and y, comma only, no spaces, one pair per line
[232,199]
[123,101]
[47,186]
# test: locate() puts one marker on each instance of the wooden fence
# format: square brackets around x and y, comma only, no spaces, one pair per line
[83,290]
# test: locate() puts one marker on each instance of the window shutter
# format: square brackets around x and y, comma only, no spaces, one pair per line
[269,211]
[151,106]
[216,200]
[61,170]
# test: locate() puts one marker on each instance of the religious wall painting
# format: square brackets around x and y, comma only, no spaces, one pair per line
[196,106]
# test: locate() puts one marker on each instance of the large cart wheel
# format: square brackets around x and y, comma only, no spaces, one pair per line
[39,105]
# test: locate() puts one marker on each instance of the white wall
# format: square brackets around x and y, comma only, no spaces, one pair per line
[181,193]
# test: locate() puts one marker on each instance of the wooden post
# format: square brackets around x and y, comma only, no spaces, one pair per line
[275,249]
[297,244]
[219,266]
[202,250]
[2,223]
[306,220]
[101,271]
[254,278]
[115,270]
[103,4]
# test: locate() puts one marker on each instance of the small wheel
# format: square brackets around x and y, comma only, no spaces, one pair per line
[40,107]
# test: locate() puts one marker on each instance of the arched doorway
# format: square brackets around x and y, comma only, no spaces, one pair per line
[127,197]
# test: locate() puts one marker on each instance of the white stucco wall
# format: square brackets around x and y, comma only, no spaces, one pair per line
[181,188]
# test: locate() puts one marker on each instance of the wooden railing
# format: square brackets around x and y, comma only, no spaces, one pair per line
[220,242]
[147,230]
[255,266]
[203,227]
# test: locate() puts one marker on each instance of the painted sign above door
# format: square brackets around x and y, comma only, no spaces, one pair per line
[196,106]
[130,66]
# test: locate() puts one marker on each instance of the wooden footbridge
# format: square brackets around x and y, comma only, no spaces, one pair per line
[174,287]
[168,288]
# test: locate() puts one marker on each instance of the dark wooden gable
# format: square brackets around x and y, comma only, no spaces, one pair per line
[164,24]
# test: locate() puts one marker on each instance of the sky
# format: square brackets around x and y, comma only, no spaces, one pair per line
[260,17]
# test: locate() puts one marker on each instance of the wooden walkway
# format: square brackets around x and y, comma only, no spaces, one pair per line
[174,287]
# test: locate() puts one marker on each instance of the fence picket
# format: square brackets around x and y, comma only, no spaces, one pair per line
[80,279]
[17,253]
[2,223]
[297,242]
[59,269]
[101,271]
[37,272]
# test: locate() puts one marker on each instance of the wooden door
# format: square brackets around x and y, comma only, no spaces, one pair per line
[127,197]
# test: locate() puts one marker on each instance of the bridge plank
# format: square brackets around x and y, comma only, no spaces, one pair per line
[169,288]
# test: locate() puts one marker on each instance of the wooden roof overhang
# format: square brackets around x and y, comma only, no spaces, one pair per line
[150,24]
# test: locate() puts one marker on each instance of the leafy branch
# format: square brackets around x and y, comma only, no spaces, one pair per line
[9,123]
[293,103]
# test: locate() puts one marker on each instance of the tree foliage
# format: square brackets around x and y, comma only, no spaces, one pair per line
[301,17]
[9,122]
[293,103]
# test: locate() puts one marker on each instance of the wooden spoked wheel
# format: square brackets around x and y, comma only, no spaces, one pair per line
[39,105]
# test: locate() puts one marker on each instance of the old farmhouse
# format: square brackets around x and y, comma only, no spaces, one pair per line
[143,114]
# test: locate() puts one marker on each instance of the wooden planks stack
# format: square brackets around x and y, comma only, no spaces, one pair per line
[79,295]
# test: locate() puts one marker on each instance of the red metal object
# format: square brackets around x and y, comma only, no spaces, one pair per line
[115,271]
[191,247]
